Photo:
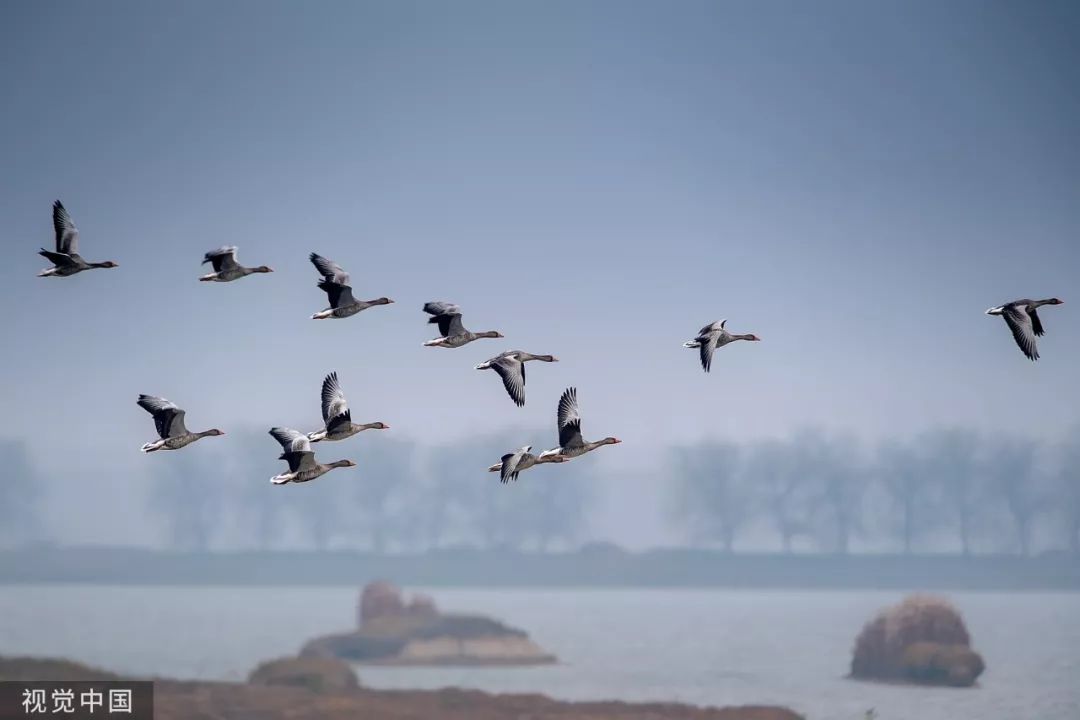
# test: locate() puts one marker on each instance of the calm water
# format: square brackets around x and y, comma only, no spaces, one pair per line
[699,646]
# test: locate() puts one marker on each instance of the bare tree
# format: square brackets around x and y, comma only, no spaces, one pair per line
[832,466]
[772,467]
[953,464]
[1070,485]
[20,493]
[387,469]
[1013,474]
[905,475]
[188,491]
[711,500]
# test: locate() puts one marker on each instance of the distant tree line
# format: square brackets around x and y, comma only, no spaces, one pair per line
[948,487]
[400,497]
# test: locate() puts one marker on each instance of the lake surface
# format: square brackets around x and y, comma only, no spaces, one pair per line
[707,647]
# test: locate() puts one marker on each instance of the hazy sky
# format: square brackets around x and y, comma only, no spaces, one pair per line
[855,182]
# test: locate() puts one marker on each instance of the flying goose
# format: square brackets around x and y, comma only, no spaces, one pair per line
[714,336]
[169,420]
[337,419]
[521,459]
[66,260]
[1023,321]
[335,283]
[571,443]
[454,335]
[301,459]
[511,368]
[226,268]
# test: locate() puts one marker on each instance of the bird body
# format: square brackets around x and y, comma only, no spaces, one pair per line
[510,366]
[714,336]
[169,421]
[453,334]
[339,293]
[524,460]
[66,259]
[571,444]
[1023,320]
[337,418]
[301,459]
[226,269]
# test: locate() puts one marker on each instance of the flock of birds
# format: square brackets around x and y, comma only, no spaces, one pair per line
[1020,316]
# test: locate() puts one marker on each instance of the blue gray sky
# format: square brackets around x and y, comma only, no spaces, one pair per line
[855,182]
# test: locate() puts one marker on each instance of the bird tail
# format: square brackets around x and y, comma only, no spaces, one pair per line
[316,436]
[281,479]
[47,272]
[691,344]
[150,447]
[995,311]
[484,365]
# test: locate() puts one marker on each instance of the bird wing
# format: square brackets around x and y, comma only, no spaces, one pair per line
[718,325]
[338,294]
[224,258]
[706,347]
[510,463]
[1020,323]
[512,372]
[1036,324]
[333,398]
[447,316]
[168,418]
[329,269]
[58,259]
[67,235]
[569,419]
[438,307]
[291,440]
[299,460]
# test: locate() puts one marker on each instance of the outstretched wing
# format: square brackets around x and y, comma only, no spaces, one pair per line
[67,235]
[1020,323]
[224,258]
[447,316]
[706,347]
[168,418]
[333,398]
[438,307]
[58,259]
[329,269]
[1036,324]
[512,372]
[718,325]
[291,440]
[299,460]
[339,295]
[510,464]
[569,419]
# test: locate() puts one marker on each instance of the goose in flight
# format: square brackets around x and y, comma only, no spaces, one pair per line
[337,419]
[226,269]
[714,336]
[301,459]
[169,420]
[511,368]
[453,334]
[335,283]
[66,259]
[571,443]
[520,460]
[1023,321]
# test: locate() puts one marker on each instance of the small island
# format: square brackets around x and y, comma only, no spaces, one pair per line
[393,632]
[922,640]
